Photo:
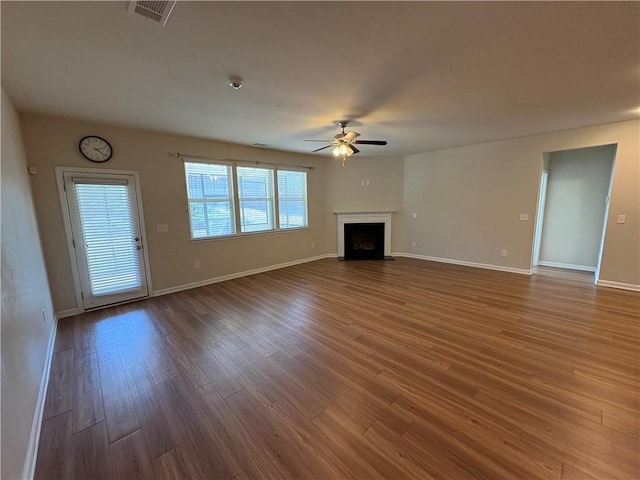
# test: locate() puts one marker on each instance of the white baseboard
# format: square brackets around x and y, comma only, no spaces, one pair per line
[67,313]
[29,467]
[623,286]
[209,281]
[568,266]
[487,266]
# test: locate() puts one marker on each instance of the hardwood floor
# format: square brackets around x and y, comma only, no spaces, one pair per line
[564,273]
[331,370]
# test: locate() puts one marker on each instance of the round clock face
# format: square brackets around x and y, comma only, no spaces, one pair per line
[96,149]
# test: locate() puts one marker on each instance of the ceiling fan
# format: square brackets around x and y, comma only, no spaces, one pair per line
[344,142]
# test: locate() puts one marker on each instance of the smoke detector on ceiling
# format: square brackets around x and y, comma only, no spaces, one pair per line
[235,83]
[157,11]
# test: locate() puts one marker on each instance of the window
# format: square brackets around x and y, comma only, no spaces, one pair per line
[292,198]
[255,194]
[107,226]
[230,199]
[210,195]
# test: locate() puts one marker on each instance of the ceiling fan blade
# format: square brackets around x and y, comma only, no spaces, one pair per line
[351,136]
[323,141]
[371,142]
[321,148]
[355,150]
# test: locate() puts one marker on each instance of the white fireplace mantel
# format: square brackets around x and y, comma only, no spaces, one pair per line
[364,217]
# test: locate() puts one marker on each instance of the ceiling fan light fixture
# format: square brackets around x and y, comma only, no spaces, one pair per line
[343,144]
[342,150]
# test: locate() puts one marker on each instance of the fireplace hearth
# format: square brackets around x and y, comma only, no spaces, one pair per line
[364,241]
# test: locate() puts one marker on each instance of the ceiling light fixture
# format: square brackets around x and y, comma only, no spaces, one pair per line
[342,150]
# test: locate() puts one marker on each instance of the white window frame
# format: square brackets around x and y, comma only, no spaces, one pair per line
[231,199]
[304,199]
[236,200]
[274,184]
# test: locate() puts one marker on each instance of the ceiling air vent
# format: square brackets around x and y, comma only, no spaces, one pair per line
[156,11]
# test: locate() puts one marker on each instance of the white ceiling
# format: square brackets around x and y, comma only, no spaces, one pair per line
[422,75]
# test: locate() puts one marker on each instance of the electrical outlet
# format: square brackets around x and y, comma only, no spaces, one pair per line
[414,215]
[313,244]
[362,183]
[367,182]
[163,227]
[503,253]
[524,216]
[196,264]
[621,219]
[413,244]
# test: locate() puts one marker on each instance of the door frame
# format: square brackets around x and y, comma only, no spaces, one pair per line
[542,201]
[605,219]
[66,220]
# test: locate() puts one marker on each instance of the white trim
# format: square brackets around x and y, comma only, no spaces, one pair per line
[364,217]
[487,266]
[568,266]
[66,221]
[67,313]
[607,204]
[231,276]
[28,470]
[542,200]
[623,286]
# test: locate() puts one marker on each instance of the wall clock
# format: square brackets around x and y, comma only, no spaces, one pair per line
[95,148]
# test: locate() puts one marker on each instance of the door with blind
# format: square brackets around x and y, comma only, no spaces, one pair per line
[107,240]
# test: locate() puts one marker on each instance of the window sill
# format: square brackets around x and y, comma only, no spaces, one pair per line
[248,234]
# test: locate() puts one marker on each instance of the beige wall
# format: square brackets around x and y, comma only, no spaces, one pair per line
[53,141]
[25,295]
[578,184]
[468,200]
[345,192]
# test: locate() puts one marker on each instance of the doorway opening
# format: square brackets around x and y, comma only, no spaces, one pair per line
[573,205]
[102,213]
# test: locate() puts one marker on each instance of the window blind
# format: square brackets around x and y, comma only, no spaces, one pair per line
[255,195]
[292,198]
[210,197]
[108,231]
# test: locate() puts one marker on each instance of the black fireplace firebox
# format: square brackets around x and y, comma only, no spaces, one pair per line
[364,241]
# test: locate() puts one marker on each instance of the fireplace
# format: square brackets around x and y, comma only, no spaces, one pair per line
[345,219]
[364,241]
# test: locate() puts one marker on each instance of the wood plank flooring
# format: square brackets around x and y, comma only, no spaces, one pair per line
[335,370]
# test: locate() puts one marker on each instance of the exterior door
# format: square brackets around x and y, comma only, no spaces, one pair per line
[107,237]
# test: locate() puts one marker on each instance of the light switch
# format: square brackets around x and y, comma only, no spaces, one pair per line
[622,219]
[162,227]
[524,216]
